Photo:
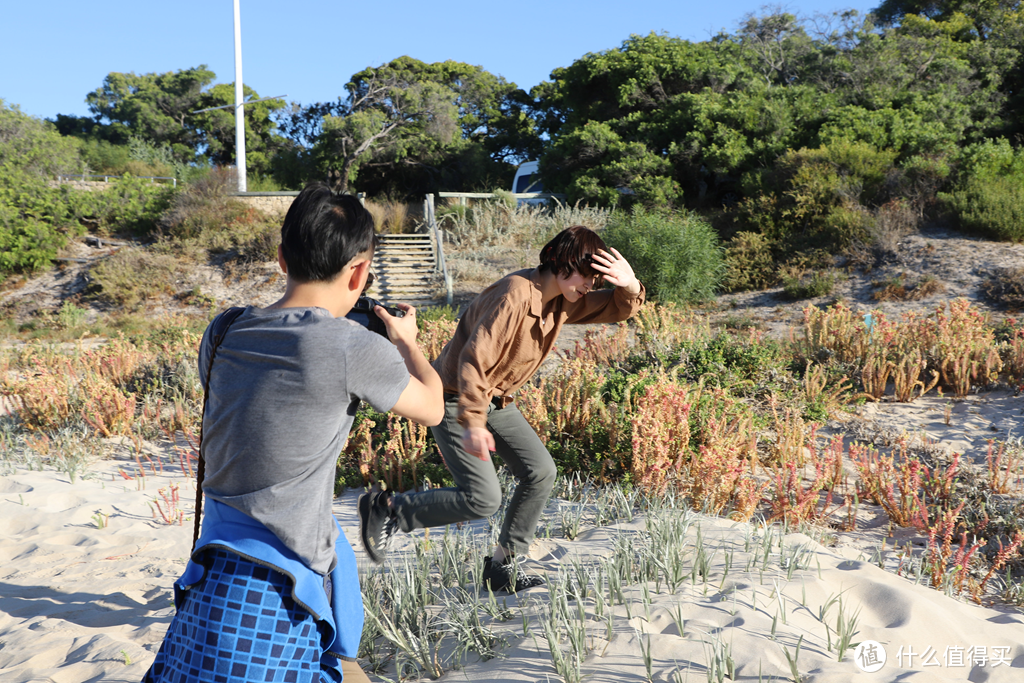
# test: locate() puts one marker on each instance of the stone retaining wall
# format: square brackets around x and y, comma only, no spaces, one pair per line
[89,185]
[268,205]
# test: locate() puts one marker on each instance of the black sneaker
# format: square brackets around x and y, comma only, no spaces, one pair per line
[376,524]
[508,575]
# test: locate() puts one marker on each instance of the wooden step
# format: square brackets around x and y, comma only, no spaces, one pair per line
[406,286]
[411,269]
[417,251]
[408,277]
[405,270]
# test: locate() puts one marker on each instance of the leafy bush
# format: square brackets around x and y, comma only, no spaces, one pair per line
[129,205]
[990,205]
[817,198]
[34,219]
[728,359]
[819,284]
[133,275]
[677,256]
[988,197]
[33,222]
[749,263]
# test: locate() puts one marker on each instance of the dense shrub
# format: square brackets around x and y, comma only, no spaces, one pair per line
[203,214]
[818,284]
[727,359]
[749,262]
[201,205]
[34,222]
[988,196]
[133,275]
[676,255]
[129,205]
[992,206]
[817,198]
[34,218]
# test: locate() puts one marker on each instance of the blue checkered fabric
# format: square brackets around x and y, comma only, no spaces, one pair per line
[240,624]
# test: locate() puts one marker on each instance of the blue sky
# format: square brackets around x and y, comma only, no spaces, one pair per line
[54,53]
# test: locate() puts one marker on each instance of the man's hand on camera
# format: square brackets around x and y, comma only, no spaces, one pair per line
[478,441]
[404,328]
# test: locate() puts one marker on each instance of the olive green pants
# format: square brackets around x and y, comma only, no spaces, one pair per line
[476,493]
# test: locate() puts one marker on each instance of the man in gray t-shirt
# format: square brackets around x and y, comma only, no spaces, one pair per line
[271,591]
[282,399]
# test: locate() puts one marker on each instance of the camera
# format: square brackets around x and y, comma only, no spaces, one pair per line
[364,314]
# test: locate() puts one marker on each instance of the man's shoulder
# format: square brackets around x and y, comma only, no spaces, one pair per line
[223,320]
[311,327]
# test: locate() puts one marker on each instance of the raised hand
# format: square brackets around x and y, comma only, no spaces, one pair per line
[615,269]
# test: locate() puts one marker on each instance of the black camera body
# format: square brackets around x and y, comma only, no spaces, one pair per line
[364,314]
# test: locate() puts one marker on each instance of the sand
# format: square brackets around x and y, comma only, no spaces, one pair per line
[86,570]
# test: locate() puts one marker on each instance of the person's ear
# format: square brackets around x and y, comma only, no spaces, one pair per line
[280,260]
[357,279]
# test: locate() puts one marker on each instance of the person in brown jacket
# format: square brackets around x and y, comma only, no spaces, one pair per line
[500,342]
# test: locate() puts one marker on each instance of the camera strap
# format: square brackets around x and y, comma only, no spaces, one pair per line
[218,328]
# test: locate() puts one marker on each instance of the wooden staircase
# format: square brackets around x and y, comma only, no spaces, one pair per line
[405,269]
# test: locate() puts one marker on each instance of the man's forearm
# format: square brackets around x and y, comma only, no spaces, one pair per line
[418,366]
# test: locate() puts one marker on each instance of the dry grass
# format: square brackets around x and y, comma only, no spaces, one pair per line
[495,223]
[133,276]
[1006,287]
[900,289]
[392,217]
[893,221]
[379,213]
[665,434]
[397,217]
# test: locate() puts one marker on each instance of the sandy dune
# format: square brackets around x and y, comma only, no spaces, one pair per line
[86,572]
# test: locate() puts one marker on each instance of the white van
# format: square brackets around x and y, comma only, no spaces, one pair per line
[528,180]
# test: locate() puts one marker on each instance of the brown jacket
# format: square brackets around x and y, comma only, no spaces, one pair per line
[505,334]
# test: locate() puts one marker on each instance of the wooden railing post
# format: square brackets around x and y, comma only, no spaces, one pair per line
[439,240]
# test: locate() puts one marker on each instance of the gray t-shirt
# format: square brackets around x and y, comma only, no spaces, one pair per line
[284,389]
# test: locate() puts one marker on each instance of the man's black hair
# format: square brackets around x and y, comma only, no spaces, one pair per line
[322,232]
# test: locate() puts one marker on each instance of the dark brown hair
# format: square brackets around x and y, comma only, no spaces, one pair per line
[571,251]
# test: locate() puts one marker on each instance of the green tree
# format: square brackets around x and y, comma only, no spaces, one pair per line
[156,107]
[594,164]
[216,128]
[692,120]
[159,108]
[985,16]
[413,124]
[679,119]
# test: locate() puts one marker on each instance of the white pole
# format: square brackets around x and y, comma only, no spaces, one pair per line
[239,113]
